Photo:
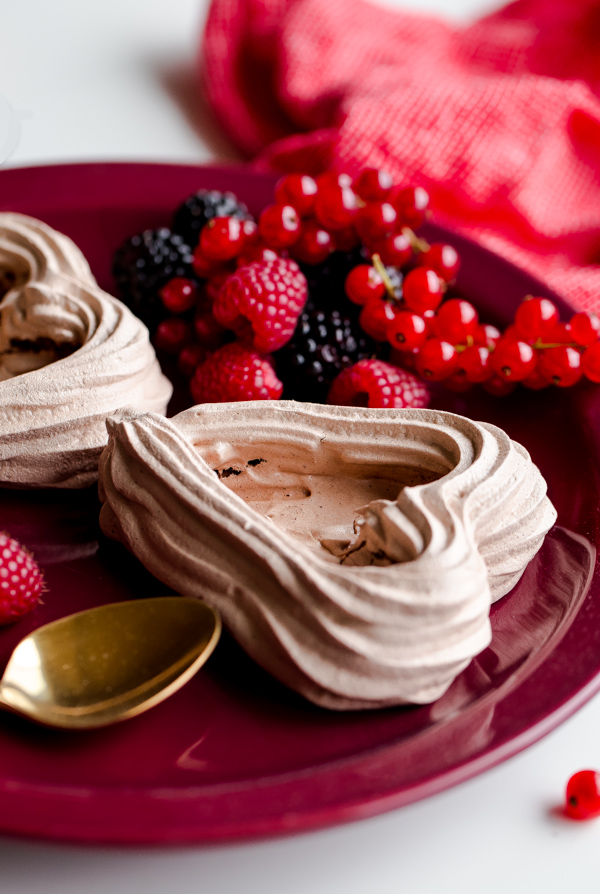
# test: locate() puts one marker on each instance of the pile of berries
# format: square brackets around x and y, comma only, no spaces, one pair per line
[331,295]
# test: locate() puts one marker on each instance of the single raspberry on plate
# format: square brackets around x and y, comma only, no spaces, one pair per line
[21,581]
[235,373]
[374,383]
[261,302]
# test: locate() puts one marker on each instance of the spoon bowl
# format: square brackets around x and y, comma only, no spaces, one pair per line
[106,664]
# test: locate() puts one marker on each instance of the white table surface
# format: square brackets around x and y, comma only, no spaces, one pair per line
[113,79]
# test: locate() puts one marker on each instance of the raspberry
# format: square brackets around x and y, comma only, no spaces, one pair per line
[263,301]
[21,582]
[235,373]
[374,383]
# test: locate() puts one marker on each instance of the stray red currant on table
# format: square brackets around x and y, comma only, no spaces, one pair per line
[582,800]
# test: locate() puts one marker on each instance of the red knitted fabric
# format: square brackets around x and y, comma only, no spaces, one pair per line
[499,121]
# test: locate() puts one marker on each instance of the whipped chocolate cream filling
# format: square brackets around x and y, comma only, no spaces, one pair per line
[353,553]
[70,354]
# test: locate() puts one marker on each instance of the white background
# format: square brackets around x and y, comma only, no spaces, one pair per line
[113,79]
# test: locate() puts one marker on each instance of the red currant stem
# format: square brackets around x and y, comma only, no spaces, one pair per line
[415,242]
[380,267]
[541,345]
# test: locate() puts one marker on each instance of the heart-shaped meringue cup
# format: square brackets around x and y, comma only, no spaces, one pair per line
[70,354]
[353,553]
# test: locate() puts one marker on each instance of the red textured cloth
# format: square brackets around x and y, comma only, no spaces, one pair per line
[499,121]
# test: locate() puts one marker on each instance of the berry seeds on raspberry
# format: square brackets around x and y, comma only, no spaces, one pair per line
[376,384]
[21,582]
[261,303]
[235,373]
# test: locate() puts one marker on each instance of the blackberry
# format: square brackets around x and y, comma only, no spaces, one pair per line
[143,264]
[326,281]
[324,343]
[201,207]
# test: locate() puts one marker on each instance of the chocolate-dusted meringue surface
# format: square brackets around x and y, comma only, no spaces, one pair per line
[70,354]
[353,553]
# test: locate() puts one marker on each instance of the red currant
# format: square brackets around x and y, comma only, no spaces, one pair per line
[179,294]
[189,358]
[536,381]
[410,203]
[498,386]
[487,335]
[335,206]
[363,283]
[208,332]
[256,250]
[375,221]
[535,318]
[407,331]
[394,250]
[314,245]
[585,328]
[560,334]
[375,317]
[423,289]
[221,239]
[474,363]
[214,285]
[561,366]
[297,190]
[590,362]
[436,360]
[513,360]
[372,184]
[442,258]
[456,321]
[172,335]
[583,795]
[279,226]
[206,268]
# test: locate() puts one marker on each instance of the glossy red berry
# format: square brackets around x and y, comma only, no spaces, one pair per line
[498,386]
[582,797]
[172,334]
[423,289]
[375,221]
[585,328]
[363,283]
[279,226]
[297,190]
[208,332]
[561,366]
[372,184]
[436,360]
[179,294]
[513,360]
[375,317]
[411,203]
[536,381]
[335,206]
[442,258]
[474,363]
[345,239]
[590,362]
[456,321]
[407,331]
[560,334]
[256,250]
[394,250]
[314,245]
[535,318]
[222,238]
[189,358]
[487,335]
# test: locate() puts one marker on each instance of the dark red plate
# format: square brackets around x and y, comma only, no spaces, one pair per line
[233,754]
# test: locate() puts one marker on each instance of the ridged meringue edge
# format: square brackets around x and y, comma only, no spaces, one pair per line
[53,411]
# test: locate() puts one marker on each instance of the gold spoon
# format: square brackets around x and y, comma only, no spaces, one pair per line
[108,663]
